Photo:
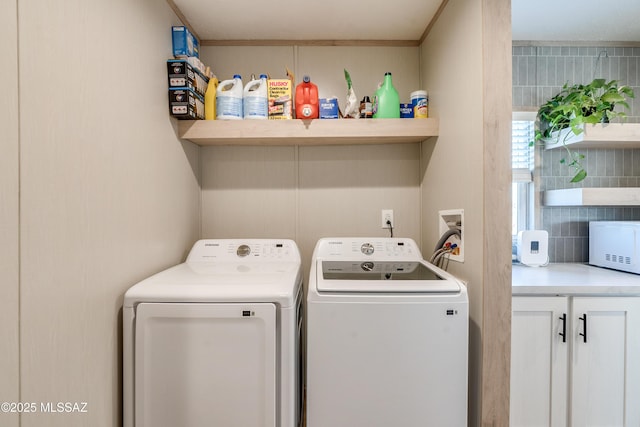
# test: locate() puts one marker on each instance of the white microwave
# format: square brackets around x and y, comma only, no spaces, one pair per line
[615,244]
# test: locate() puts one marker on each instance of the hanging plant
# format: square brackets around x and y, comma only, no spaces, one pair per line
[577,105]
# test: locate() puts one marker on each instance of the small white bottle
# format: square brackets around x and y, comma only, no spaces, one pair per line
[255,100]
[229,99]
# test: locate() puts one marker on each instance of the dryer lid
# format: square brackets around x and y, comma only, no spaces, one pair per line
[383,277]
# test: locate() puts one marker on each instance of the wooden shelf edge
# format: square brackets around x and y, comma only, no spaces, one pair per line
[594,196]
[307,132]
[610,135]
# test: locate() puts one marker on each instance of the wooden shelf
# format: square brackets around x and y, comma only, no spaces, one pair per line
[624,196]
[611,135]
[307,132]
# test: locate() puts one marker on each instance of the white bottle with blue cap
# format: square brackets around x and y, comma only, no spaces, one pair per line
[255,100]
[229,99]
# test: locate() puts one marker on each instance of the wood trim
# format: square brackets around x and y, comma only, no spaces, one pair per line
[496,292]
[182,18]
[433,21]
[277,42]
[575,43]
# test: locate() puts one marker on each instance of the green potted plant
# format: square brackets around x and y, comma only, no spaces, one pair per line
[577,105]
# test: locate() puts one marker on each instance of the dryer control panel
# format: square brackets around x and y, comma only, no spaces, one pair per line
[246,250]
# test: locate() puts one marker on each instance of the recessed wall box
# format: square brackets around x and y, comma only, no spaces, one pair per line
[453,219]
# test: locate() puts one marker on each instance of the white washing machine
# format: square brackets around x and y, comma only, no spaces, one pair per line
[215,341]
[387,337]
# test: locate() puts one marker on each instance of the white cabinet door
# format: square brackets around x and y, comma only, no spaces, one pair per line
[605,389]
[539,341]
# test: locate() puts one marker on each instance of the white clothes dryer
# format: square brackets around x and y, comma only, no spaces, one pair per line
[387,337]
[216,340]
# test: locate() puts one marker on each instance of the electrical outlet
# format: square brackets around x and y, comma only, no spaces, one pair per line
[387,215]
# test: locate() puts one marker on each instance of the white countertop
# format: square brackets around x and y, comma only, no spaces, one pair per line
[572,279]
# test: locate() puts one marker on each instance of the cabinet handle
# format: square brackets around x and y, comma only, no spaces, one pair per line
[583,318]
[563,334]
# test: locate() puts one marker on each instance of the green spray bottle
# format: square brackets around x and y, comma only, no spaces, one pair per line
[386,102]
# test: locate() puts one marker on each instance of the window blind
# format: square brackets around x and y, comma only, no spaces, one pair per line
[522,133]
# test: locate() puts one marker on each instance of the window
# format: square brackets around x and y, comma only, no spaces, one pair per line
[522,164]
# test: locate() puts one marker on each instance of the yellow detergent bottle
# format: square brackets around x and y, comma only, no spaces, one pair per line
[210,99]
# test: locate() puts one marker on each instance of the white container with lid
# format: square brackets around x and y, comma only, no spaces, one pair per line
[420,103]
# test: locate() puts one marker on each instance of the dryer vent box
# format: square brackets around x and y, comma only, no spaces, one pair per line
[448,219]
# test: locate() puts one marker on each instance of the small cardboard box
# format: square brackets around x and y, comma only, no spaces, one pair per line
[280,99]
[406,111]
[184,42]
[185,103]
[329,108]
[181,74]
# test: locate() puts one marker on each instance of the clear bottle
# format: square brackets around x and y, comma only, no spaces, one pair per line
[386,103]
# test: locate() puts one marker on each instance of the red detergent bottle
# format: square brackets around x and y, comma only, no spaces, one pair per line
[307,100]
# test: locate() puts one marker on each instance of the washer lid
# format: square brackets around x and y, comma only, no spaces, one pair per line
[383,277]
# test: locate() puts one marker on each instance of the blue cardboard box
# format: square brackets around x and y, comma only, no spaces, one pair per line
[184,42]
[329,108]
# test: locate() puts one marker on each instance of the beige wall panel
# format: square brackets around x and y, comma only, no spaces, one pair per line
[453,167]
[344,188]
[9,210]
[310,192]
[366,66]
[249,192]
[225,61]
[109,194]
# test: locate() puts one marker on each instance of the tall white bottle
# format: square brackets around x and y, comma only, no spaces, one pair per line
[229,99]
[255,100]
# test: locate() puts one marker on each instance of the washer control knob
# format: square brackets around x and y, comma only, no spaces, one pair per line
[367,248]
[367,266]
[243,250]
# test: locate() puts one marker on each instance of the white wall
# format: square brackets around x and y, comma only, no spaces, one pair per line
[305,193]
[108,193]
[9,262]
